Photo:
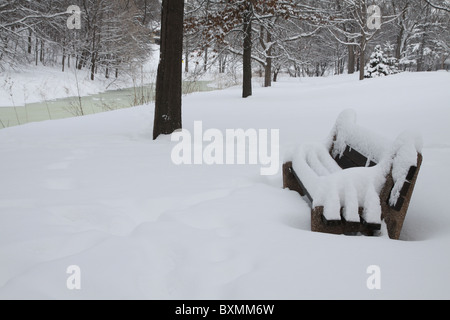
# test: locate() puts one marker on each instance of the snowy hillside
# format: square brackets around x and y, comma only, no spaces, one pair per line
[98,193]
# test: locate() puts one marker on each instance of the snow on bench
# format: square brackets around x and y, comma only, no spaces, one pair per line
[357,180]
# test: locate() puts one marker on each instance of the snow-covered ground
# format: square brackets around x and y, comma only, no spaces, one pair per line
[39,83]
[98,193]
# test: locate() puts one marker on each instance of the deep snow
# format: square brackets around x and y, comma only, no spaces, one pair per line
[97,192]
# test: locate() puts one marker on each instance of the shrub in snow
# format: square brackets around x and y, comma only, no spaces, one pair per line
[379,65]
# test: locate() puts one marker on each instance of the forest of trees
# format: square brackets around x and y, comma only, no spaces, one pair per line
[312,38]
[113,33]
[299,37]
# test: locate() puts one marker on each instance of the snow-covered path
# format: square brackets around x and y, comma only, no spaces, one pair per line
[97,192]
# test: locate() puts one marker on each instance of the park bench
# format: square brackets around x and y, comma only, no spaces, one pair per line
[357,180]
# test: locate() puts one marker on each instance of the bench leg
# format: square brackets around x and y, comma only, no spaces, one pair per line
[289,180]
[318,223]
[395,218]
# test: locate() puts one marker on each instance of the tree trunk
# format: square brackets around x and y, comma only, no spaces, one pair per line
[63,62]
[93,59]
[93,55]
[205,63]
[268,67]
[41,56]
[80,60]
[275,74]
[351,59]
[398,49]
[186,56]
[247,60]
[168,117]
[361,66]
[36,51]
[362,56]
[421,58]
[423,42]
[222,63]
[30,32]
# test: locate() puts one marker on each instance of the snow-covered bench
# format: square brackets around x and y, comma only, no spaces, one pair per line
[357,180]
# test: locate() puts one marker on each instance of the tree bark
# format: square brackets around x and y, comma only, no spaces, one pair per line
[247,59]
[168,117]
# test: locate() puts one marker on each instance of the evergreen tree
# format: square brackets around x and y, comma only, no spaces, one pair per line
[378,65]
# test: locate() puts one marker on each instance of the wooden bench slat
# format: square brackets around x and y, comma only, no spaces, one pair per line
[344,162]
[372,226]
[411,173]
[405,188]
[357,158]
[302,186]
[398,206]
[331,223]
[351,226]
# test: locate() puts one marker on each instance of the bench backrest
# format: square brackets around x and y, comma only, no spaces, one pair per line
[354,146]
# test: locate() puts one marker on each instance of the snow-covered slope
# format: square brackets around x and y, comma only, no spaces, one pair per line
[98,193]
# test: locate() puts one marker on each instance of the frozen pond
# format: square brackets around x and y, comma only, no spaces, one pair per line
[75,106]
